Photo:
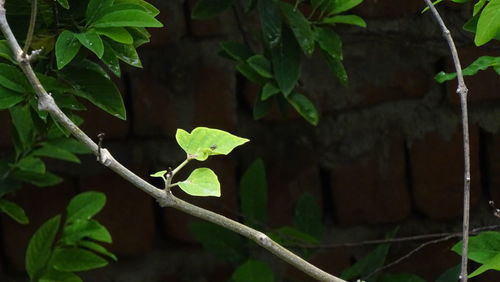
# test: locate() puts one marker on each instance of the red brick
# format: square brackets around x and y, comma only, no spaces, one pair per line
[177,223]
[97,121]
[214,98]
[483,86]
[287,181]
[40,204]
[212,27]
[438,174]
[128,213]
[388,8]
[493,166]
[372,188]
[5,125]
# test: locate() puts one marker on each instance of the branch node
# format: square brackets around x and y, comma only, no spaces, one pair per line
[45,102]
[263,239]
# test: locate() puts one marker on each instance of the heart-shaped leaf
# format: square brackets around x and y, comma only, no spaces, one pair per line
[202,182]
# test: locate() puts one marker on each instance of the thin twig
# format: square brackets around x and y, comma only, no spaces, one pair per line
[31,27]
[164,197]
[462,92]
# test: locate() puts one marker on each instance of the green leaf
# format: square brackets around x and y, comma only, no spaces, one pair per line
[85,205]
[25,129]
[73,259]
[70,144]
[336,66]
[111,60]
[8,185]
[40,247]
[206,9]
[340,6]
[236,50]
[488,26]
[301,27]
[99,90]
[159,174]
[345,19]
[366,265]
[493,263]
[406,277]
[127,18]
[95,8]
[40,180]
[261,65]
[51,151]
[304,107]
[203,142]
[478,7]
[202,182]
[31,164]
[63,3]
[308,216]
[270,21]
[140,35]
[12,78]
[126,53]
[286,62]
[290,236]
[92,41]
[67,46]
[329,41]
[9,98]
[14,211]
[52,275]
[118,34]
[83,228]
[97,248]
[249,73]
[268,90]
[480,63]
[219,241]
[253,270]
[253,194]
[152,10]
[5,51]
[261,108]
[450,275]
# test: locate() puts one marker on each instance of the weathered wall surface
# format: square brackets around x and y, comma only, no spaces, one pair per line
[387,151]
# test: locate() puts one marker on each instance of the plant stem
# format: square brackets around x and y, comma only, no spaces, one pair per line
[462,92]
[31,27]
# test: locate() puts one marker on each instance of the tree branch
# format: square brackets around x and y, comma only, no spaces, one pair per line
[462,92]
[164,197]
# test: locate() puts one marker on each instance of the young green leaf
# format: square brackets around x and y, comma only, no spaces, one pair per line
[345,19]
[206,9]
[14,211]
[97,248]
[127,18]
[304,107]
[301,27]
[253,270]
[253,194]
[488,25]
[481,63]
[286,62]
[221,242]
[236,50]
[9,98]
[478,7]
[92,41]
[261,65]
[99,90]
[159,174]
[202,182]
[74,259]
[308,216]
[203,142]
[39,247]
[67,46]
[118,34]
[51,151]
[268,90]
[85,206]
[270,21]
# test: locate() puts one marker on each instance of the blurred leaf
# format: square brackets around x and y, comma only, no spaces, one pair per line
[488,25]
[67,46]
[51,151]
[337,68]
[268,90]
[14,211]
[484,248]
[85,205]
[261,65]
[97,248]
[12,78]
[73,259]
[253,194]
[340,6]
[286,62]
[8,185]
[304,107]
[203,142]
[99,90]
[249,73]
[221,242]
[159,173]
[400,277]
[23,123]
[92,41]
[202,182]
[40,247]
[236,50]
[70,144]
[63,3]
[95,8]
[31,164]
[450,275]
[253,270]
[111,60]
[480,63]
[52,275]
[9,98]
[82,228]
[301,27]
[140,34]
[5,51]
[40,180]
[270,21]
[329,41]
[261,108]
[290,236]
[206,9]
[308,216]
[345,19]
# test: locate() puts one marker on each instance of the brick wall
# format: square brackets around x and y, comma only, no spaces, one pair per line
[387,151]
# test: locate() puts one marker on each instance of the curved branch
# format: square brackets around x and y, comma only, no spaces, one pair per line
[462,92]
[164,197]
